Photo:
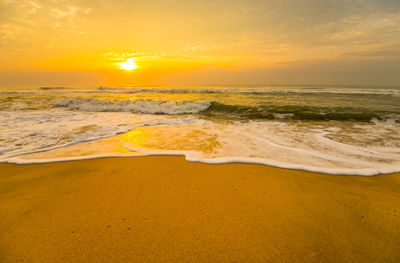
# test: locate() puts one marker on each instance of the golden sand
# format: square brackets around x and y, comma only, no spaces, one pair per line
[165,209]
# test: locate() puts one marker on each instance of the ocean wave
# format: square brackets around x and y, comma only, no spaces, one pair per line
[296,112]
[52,88]
[148,106]
[254,90]
[261,90]
[215,109]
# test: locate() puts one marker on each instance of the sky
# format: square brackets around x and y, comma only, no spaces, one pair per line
[191,42]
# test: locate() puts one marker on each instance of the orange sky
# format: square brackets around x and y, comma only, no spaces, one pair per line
[47,42]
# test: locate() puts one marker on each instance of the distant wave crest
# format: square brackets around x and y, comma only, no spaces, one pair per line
[135,106]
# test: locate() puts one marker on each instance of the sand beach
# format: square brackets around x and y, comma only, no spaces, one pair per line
[165,209]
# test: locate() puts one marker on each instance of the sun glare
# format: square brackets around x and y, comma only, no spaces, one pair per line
[129,64]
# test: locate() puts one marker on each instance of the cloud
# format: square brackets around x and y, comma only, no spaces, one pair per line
[256,34]
[259,24]
[32,22]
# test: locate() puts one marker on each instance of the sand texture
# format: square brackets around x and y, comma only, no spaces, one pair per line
[165,209]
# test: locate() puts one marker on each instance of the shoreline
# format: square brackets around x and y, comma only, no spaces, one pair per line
[215,161]
[112,147]
[165,209]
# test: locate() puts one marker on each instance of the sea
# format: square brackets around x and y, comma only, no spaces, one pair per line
[347,130]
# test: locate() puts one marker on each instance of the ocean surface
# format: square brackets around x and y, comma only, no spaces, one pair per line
[331,129]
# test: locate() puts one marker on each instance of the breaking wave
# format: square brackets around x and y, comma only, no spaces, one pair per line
[135,106]
[219,110]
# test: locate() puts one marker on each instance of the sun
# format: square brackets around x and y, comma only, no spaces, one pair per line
[129,64]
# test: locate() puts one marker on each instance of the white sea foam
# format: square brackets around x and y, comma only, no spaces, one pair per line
[311,147]
[282,116]
[27,132]
[270,143]
[148,106]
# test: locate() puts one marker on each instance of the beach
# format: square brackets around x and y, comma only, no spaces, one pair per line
[199,131]
[166,209]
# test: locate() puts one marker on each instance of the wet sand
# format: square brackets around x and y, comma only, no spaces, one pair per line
[165,209]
